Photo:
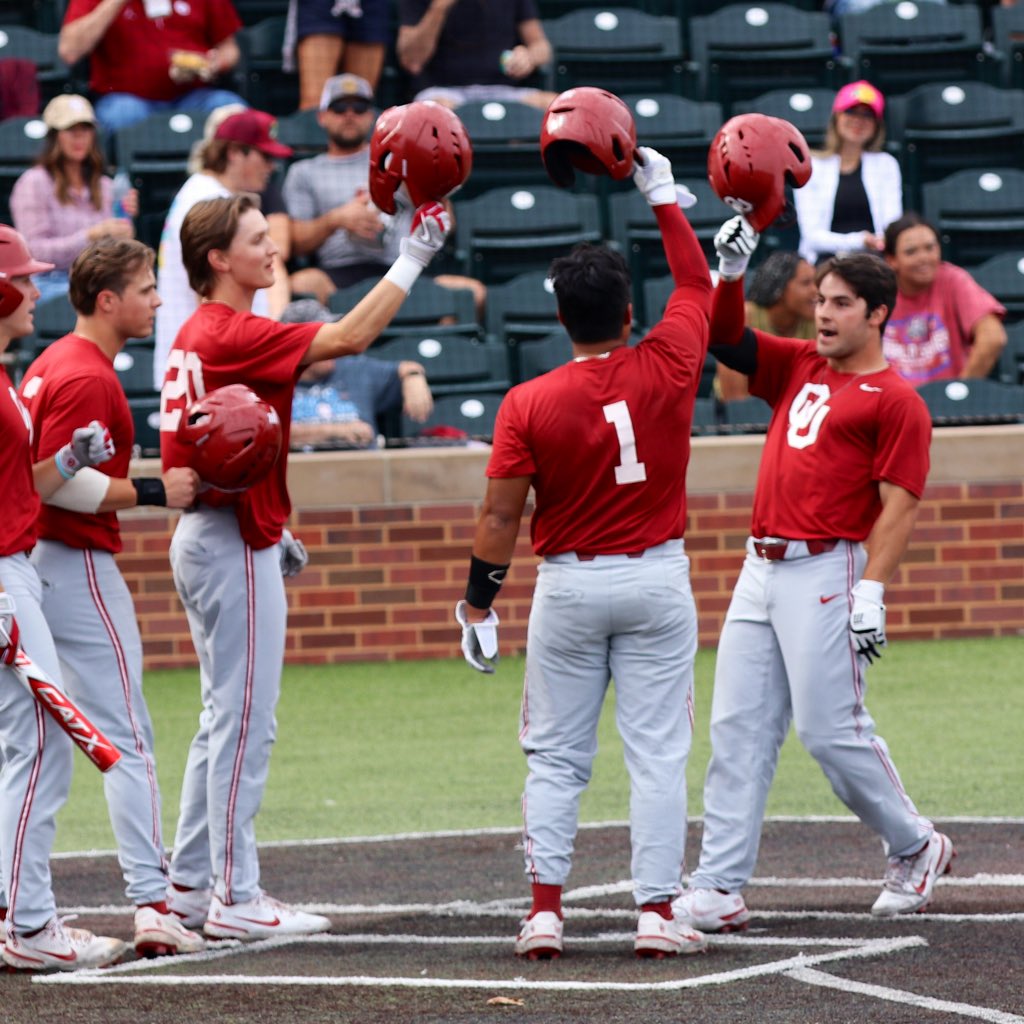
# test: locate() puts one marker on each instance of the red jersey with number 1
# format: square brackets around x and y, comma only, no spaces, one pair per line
[20,501]
[71,384]
[832,439]
[217,346]
[607,439]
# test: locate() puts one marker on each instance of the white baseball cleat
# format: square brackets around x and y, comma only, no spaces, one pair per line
[260,918]
[540,936]
[159,934]
[909,881]
[189,906]
[709,910]
[59,948]
[658,937]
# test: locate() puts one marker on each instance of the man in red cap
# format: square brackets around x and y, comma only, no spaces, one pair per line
[35,766]
[238,157]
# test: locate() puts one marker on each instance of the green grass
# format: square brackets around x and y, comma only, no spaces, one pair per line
[376,748]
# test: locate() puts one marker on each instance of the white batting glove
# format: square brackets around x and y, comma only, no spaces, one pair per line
[293,554]
[9,635]
[735,244]
[479,639]
[654,178]
[429,232]
[89,446]
[867,620]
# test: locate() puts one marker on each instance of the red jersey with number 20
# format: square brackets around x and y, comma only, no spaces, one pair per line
[217,346]
[607,439]
[20,501]
[832,438]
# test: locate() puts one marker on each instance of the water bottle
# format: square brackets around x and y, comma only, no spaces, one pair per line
[122,186]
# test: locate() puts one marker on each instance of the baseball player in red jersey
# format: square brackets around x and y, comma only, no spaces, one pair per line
[227,556]
[604,442]
[35,755]
[85,599]
[844,467]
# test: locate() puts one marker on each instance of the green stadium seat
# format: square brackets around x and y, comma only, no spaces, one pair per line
[21,142]
[52,74]
[54,318]
[472,414]
[1008,40]
[519,311]
[134,367]
[427,303]
[261,77]
[746,49]
[146,417]
[1003,276]
[808,110]
[506,150]
[899,46]
[972,402]
[1010,369]
[745,416]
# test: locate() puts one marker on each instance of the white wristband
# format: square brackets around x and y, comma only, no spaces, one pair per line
[871,589]
[404,272]
[84,492]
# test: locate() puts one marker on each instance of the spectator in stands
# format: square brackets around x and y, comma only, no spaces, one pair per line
[239,157]
[459,51]
[328,199]
[152,55]
[780,300]
[340,401]
[327,37]
[945,325]
[65,201]
[855,188]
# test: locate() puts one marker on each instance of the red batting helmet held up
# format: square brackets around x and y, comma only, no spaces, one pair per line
[588,129]
[15,261]
[234,436]
[751,160]
[423,145]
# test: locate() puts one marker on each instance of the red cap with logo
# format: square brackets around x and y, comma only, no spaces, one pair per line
[253,128]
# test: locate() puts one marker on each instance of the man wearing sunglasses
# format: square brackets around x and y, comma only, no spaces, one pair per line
[333,218]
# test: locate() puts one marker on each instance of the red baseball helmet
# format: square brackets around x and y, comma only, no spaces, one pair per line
[751,160]
[423,145]
[15,261]
[235,437]
[588,129]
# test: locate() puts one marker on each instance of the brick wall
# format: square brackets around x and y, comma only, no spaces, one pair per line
[389,536]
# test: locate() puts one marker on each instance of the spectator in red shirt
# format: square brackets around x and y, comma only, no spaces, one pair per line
[945,325]
[152,55]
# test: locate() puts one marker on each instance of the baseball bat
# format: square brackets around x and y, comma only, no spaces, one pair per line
[65,712]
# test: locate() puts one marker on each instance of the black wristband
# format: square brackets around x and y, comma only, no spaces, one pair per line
[149,490]
[485,580]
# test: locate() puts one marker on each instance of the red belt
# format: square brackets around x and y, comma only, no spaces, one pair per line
[590,558]
[775,550]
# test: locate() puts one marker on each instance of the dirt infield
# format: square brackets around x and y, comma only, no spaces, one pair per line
[423,929]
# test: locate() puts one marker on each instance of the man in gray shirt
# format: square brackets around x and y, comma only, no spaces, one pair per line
[328,199]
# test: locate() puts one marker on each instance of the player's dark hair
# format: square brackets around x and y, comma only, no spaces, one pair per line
[870,277]
[211,224]
[108,264]
[771,278]
[594,290]
[905,223]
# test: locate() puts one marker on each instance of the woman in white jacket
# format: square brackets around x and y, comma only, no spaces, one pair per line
[855,189]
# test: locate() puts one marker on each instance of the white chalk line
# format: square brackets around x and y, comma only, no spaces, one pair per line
[895,995]
[512,830]
[114,976]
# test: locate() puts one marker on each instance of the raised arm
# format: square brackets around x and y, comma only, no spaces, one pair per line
[356,330]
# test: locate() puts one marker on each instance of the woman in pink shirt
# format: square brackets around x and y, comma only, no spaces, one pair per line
[66,201]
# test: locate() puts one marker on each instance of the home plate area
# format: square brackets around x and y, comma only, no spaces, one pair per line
[423,930]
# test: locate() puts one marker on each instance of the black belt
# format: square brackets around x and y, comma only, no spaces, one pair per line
[589,558]
[775,550]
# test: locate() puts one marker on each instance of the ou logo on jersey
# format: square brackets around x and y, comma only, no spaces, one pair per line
[807,412]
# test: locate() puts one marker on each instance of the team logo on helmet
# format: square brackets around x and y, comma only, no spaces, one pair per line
[422,146]
[752,159]
[233,437]
[587,129]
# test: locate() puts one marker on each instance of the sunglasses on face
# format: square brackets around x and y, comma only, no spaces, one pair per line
[356,106]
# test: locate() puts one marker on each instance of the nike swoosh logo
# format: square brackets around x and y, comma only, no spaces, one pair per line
[869,387]
[919,889]
[824,599]
[266,924]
